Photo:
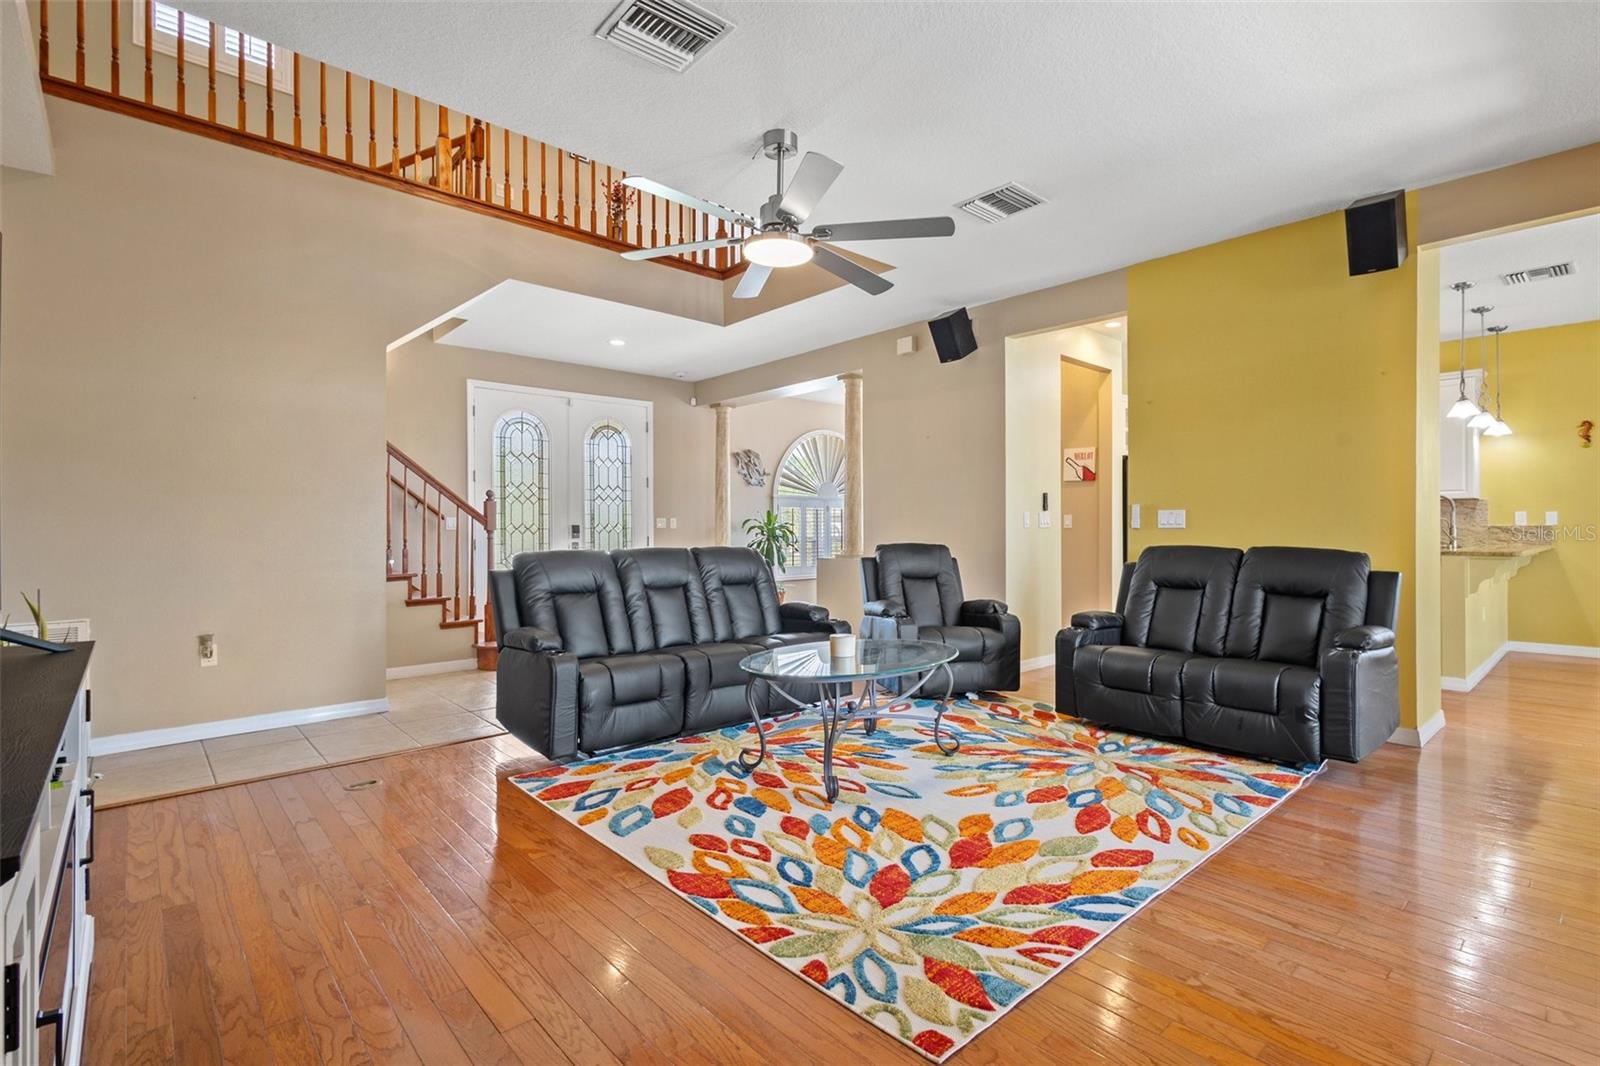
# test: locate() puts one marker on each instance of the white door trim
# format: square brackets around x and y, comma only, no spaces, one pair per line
[648,500]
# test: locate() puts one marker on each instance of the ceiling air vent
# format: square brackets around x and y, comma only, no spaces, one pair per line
[1544,273]
[996,205]
[669,33]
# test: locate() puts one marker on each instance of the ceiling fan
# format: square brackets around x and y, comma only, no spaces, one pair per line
[778,242]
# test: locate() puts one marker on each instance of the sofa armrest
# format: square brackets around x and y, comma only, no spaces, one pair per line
[1364,638]
[972,607]
[797,617]
[1097,620]
[536,699]
[1360,693]
[885,609]
[531,638]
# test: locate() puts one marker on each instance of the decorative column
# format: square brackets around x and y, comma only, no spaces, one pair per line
[854,467]
[722,519]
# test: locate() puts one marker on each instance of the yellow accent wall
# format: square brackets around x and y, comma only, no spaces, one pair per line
[1552,383]
[1274,398]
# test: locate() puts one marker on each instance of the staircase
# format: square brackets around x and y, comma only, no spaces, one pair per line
[441,547]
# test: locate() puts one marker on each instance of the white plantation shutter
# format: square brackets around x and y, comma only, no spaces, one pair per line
[808,491]
[197,41]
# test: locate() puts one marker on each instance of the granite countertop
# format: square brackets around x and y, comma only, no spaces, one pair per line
[37,690]
[1497,551]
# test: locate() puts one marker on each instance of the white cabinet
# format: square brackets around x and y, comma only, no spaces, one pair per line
[1458,445]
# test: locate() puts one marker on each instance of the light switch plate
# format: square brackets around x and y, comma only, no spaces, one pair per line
[1066,521]
[1044,519]
[661,523]
[1027,519]
[208,650]
[1172,519]
[672,523]
[1551,518]
[1520,518]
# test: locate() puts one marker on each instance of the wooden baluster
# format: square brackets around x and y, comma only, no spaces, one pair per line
[653,242]
[441,151]
[544,199]
[416,139]
[44,43]
[81,35]
[388,516]
[242,49]
[722,253]
[405,524]
[271,93]
[394,131]
[683,232]
[505,165]
[561,169]
[667,210]
[488,538]
[182,65]
[594,173]
[116,47]
[488,163]
[472,574]
[577,195]
[422,520]
[455,567]
[609,187]
[438,545]
[149,39]
[296,76]
[525,173]
[638,219]
[322,104]
[211,72]
[372,125]
[349,126]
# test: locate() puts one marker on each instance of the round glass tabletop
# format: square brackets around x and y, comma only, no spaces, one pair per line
[873,659]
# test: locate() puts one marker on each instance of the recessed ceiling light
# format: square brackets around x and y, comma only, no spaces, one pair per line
[617,342]
[1113,324]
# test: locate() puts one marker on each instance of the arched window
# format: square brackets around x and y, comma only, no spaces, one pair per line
[608,512]
[808,491]
[521,485]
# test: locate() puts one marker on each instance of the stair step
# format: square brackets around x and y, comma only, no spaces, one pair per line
[460,623]
[395,575]
[426,601]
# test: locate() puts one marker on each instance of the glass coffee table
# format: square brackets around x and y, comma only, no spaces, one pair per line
[834,681]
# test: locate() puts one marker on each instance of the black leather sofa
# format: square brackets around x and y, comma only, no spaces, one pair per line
[1286,654]
[913,592]
[605,650]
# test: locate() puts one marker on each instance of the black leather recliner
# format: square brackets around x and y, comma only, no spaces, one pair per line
[913,592]
[1284,654]
[603,651]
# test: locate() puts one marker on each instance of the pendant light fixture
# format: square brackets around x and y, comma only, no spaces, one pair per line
[1463,407]
[1499,428]
[1483,419]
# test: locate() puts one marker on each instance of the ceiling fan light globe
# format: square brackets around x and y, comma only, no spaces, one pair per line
[777,249]
[1462,409]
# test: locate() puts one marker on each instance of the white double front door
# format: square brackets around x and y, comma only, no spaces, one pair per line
[567,470]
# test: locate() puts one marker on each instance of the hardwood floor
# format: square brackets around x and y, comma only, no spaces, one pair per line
[1432,907]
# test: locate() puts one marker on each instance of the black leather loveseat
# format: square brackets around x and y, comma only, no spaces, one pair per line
[1285,654]
[605,650]
[913,592]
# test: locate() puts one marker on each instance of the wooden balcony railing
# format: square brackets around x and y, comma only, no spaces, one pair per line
[214,81]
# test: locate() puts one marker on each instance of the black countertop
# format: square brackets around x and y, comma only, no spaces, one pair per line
[36,693]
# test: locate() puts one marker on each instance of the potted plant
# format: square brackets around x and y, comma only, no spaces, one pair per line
[773,539]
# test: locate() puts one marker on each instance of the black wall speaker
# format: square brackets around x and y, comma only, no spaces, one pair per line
[952,336]
[1375,233]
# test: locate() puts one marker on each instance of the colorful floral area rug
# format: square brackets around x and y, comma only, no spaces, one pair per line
[939,890]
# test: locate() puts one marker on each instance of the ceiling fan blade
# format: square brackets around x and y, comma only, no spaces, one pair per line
[810,183]
[750,285]
[674,249]
[886,229]
[666,192]
[840,267]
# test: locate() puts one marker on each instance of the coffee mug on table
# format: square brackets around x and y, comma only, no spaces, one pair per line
[842,645]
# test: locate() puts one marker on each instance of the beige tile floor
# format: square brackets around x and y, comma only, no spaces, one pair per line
[423,712]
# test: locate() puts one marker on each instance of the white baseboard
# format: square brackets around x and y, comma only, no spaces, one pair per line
[1416,738]
[1581,651]
[395,673]
[1470,682]
[255,723]
[1039,662]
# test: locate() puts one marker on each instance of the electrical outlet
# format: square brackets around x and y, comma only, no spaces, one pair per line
[672,523]
[449,523]
[208,649]
[1520,518]
[1551,518]
[1066,521]
[1172,519]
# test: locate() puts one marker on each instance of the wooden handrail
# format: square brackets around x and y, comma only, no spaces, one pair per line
[444,490]
[582,205]
[441,557]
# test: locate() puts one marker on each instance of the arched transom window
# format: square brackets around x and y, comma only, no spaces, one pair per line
[607,473]
[808,491]
[521,485]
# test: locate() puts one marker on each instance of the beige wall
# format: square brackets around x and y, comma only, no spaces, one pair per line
[192,413]
[1086,403]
